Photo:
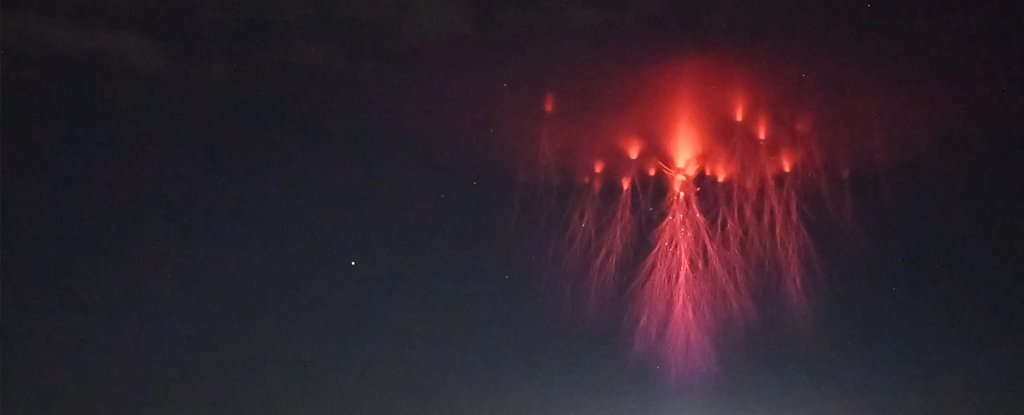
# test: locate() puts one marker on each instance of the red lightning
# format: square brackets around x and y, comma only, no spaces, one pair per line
[726,209]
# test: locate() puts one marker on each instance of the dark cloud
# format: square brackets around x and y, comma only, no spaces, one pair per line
[119,50]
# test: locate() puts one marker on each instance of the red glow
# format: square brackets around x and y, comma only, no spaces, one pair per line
[549,103]
[716,237]
[787,163]
[762,128]
[677,182]
[720,177]
[632,147]
[684,144]
[739,105]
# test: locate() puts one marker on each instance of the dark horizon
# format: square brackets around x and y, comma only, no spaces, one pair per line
[312,208]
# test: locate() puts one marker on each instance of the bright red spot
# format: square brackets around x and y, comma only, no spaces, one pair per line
[762,128]
[632,147]
[786,161]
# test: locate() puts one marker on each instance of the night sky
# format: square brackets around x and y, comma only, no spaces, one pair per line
[309,208]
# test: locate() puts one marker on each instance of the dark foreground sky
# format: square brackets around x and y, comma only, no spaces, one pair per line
[285,207]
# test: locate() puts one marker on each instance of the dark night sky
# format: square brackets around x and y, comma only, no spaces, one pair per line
[301,207]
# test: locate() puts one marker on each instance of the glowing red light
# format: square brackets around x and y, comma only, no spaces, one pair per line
[632,146]
[549,103]
[684,145]
[709,248]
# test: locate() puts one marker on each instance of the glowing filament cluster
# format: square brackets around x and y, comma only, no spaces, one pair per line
[704,212]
